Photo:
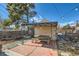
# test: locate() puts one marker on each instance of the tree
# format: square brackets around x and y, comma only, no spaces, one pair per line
[7,22]
[32,14]
[16,11]
[77,23]
[66,26]
[17,26]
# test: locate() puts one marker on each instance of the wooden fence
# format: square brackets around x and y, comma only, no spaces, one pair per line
[12,34]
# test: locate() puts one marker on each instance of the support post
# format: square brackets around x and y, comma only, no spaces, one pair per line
[51,31]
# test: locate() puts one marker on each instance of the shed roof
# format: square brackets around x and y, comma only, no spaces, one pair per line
[44,24]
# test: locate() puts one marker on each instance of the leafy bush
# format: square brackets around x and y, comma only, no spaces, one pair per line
[7,22]
[17,26]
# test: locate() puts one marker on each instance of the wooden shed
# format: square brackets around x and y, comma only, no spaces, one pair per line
[45,28]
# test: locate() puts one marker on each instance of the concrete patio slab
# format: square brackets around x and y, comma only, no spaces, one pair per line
[34,49]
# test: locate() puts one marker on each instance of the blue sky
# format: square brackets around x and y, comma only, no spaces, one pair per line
[63,13]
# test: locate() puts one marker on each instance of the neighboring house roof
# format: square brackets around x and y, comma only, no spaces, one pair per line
[19,22]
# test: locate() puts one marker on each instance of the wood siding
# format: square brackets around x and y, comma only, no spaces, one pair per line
[42,30]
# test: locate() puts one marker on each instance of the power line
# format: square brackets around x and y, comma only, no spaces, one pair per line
[71,10]
[56,9]
[62,16]
[59,13]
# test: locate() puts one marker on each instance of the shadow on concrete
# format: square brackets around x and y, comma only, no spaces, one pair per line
[3,54]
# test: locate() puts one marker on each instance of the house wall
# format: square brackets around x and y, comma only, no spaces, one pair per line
[76,29]
[42,30]
[66,31]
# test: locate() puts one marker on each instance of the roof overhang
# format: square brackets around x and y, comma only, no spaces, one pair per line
[44,24]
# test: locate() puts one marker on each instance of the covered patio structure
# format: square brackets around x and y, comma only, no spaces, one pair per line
[45,31]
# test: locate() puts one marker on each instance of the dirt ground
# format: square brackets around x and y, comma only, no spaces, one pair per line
[5,41]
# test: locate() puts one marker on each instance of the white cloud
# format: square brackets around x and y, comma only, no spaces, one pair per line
[72,23]
[76,9]
[63,24]
[36,19]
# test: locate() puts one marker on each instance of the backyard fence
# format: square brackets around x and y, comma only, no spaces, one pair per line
[68,44]
[12,34]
